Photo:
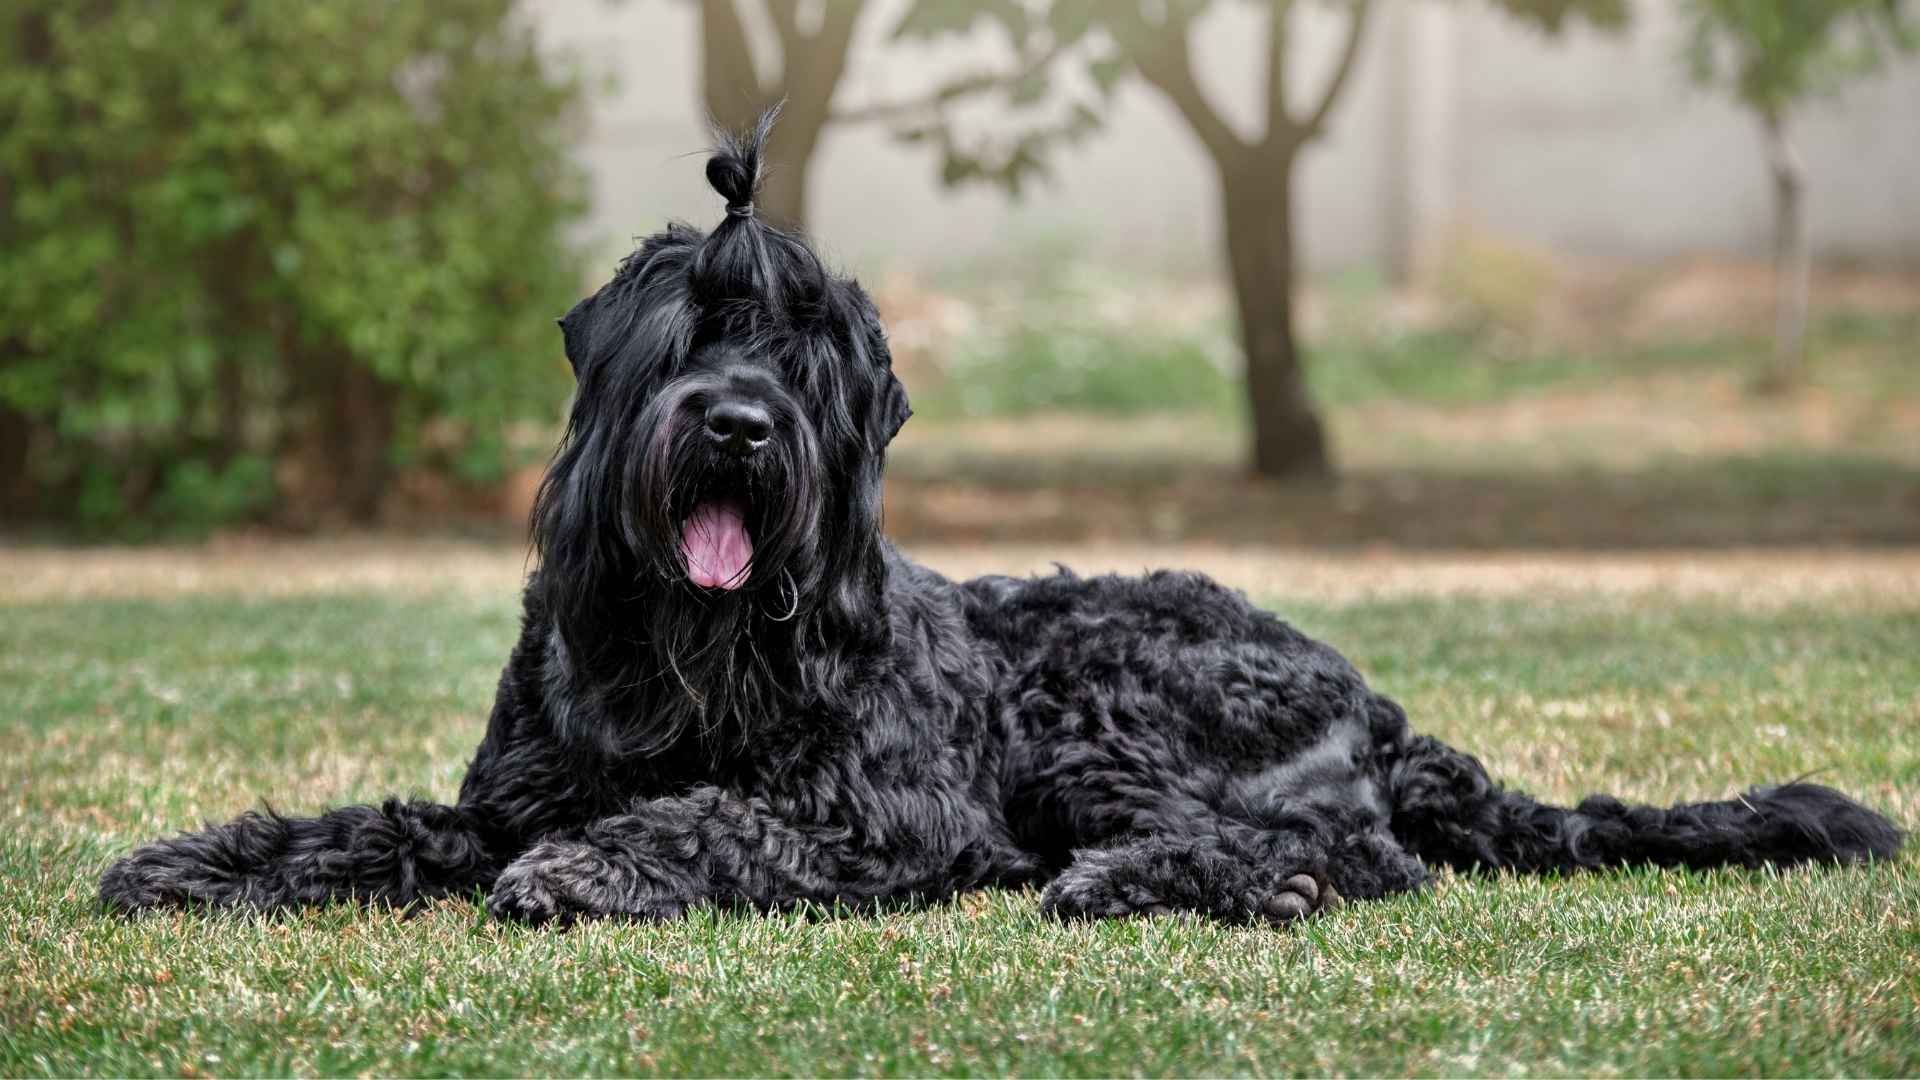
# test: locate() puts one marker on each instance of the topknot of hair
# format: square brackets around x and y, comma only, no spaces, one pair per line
[734,168]
[746,265]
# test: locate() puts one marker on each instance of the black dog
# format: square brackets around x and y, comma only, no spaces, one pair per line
[729,689]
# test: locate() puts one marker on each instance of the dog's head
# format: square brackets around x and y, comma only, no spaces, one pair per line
[734,401]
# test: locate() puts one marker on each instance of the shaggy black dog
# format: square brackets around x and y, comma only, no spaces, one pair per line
[729,689]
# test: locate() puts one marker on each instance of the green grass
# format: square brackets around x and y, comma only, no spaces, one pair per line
[1450,367]
[128,719]
[1050,353]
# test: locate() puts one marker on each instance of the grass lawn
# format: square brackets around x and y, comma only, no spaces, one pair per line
[129,718]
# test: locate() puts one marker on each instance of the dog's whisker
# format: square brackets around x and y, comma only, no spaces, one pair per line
[793,607]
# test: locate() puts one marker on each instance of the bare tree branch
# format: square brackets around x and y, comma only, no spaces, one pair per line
[785,16]
[835,35]
[1164,58]
[815,61]
[1360,15]
[1279,118]
[966,86]
[811,64]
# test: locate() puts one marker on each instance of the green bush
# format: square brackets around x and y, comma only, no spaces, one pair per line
[259,252]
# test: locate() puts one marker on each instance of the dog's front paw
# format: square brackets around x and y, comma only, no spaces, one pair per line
[563,881]
[1089,890]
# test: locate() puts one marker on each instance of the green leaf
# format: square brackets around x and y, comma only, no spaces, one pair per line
[1107,72]
[1070,20]
[1030,89]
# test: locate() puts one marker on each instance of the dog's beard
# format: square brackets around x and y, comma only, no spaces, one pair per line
[680,580]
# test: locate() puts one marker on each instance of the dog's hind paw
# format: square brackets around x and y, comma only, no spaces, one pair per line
[562,882]
[1155,878]
[1079,895]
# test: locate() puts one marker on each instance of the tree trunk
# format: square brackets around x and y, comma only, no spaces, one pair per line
[811,63]
[360,426]
[783,187]
[1792,256]
[729,81]
[1289,441]
[337,459]
[16,486]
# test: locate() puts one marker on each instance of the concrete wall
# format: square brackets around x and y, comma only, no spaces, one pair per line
[1603,145]
[1595,145]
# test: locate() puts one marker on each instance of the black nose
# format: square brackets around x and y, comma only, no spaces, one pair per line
[740,427]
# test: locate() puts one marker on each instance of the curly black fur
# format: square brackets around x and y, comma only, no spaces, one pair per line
[846,726]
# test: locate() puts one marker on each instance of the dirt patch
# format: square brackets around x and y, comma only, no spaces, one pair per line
[260,567]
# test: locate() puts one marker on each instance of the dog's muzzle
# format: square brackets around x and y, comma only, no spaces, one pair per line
[724,481]
[714,542]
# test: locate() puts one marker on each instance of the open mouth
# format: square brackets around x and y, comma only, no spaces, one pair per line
[715,546]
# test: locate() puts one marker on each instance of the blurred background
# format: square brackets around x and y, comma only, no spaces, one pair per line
[1438,274]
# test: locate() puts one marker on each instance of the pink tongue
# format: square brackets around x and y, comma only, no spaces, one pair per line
[714,542]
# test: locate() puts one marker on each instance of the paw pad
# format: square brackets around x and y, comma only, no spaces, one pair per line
[1299,896]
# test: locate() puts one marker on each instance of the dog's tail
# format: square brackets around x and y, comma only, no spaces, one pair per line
[1447,810]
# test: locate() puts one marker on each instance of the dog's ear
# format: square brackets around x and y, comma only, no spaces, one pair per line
[894,410]
[573,333]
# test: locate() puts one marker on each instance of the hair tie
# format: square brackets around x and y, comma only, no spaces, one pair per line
[744,209]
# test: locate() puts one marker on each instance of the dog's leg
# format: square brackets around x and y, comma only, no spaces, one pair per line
[665,856]
[1238,874]
[1215,875]
[395,853]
